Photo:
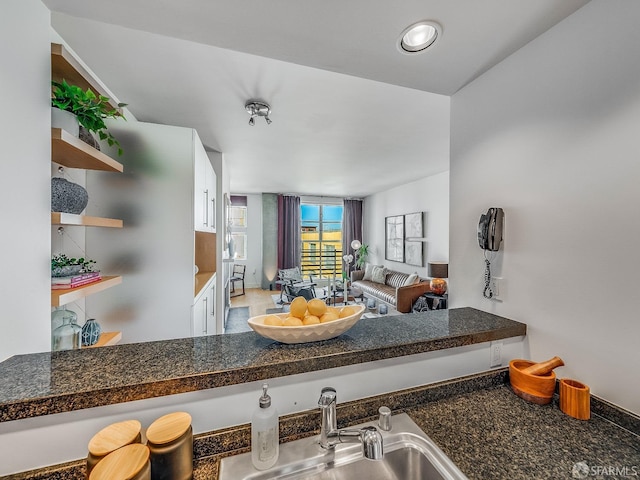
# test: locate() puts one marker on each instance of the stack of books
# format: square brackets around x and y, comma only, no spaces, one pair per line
[73,281]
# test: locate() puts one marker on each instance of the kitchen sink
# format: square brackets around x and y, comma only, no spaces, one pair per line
[409,454]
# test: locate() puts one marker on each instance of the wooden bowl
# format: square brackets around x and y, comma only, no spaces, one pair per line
[533,388]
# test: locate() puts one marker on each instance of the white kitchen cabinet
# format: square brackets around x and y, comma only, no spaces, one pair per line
[210,177]
[160,245]
[205,192]
[203,316]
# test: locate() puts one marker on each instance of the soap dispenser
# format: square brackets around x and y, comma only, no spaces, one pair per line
[265,435]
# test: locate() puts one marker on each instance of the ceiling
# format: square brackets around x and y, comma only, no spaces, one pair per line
[351,114]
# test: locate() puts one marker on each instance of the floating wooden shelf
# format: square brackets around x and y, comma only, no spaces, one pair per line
[72,152]
[106,339]
[65,66]
[61,218]
[62,297]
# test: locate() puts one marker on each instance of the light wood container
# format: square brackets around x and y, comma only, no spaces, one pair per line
[111,438]
[170,440]
[543,368]
[130,462]
[533,388]
[575,399]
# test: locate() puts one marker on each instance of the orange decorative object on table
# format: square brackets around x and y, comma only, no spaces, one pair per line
[438,286]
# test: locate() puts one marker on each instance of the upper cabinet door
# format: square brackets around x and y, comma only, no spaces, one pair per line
[210,188]
[203,193]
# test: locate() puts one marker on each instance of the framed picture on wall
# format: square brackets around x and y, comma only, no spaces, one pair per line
[413,226]
[394,238]
[413,253]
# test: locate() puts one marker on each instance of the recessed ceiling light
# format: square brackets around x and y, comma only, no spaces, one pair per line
[419,36]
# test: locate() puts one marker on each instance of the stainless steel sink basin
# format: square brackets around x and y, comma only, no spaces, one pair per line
[409,454]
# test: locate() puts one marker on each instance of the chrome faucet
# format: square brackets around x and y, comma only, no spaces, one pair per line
[330,436]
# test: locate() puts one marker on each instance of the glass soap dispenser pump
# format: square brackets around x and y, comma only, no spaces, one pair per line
[265,435]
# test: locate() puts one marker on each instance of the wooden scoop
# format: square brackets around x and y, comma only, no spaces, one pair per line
[543,368]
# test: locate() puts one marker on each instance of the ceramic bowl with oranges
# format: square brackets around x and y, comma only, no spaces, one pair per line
[307,321]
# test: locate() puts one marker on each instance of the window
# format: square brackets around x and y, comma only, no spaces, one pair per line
[237,226]
[321,239]
[238,216]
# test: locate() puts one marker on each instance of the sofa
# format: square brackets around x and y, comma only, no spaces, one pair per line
[400,290]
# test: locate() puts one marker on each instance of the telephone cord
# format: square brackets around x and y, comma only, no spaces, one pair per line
[487,292]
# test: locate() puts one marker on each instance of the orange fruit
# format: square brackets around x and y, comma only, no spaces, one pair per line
[292,322]
[273,320]
[329,317]
[347,311]
[316,307]
[298,307]
[311,320]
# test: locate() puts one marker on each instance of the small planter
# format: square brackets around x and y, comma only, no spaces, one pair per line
[66,271]
[67,197]
[65,120]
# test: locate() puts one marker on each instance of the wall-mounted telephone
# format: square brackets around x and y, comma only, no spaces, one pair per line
[490,229]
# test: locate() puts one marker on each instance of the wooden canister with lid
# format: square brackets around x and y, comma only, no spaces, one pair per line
[170,441]
[111,438]
[130,462]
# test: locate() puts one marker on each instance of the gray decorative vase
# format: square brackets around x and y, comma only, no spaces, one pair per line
[67,197]
[65,120]
[90,332]
[87,137]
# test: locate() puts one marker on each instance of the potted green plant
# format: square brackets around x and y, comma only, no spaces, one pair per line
[89,108]
[62,266]
[361,256]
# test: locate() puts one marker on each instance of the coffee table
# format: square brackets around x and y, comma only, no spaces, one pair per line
[337,296]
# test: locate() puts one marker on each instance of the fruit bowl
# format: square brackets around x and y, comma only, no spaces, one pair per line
[305,333]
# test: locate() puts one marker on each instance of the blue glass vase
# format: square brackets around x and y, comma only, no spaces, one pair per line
[90,332]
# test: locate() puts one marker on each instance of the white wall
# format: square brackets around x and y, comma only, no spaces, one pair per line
[551,135]
[430,195]
[253,262]
[25,184]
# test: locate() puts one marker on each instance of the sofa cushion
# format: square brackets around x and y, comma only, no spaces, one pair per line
[411,279]
[396,279]
[379,274]
[368,270]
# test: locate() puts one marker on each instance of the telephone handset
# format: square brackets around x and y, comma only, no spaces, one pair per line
[490,229]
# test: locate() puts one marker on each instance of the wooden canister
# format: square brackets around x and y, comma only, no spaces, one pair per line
[111,438]
[170,441]
[575,399]
[130,462]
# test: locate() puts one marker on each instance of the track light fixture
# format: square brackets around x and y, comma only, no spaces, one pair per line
[258,108]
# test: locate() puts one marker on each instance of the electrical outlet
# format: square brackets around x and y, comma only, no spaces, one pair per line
[496,354]
[254,271]
[495,286]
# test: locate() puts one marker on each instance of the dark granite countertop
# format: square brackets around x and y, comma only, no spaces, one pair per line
[490,433]
[45,383]
[495,434]
[486,430]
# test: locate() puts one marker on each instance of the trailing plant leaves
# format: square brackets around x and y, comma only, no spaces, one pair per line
[62,260]
[90,109]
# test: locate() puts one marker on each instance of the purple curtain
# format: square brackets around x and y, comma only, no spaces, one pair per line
[288,231]
[351,225]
